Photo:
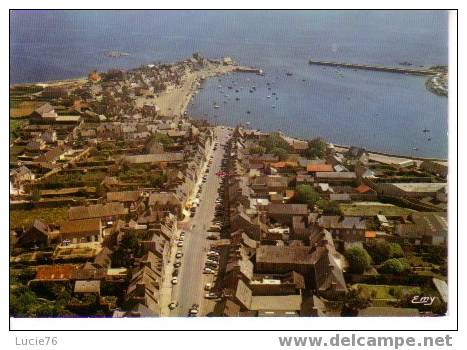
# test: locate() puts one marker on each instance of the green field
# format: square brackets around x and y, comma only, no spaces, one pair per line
[15,125]
[353,209]
[23,217]
[384,291]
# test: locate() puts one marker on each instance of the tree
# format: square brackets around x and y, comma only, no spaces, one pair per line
[316,148]
[396,250]
[274,140]
[383,251]
[358,258]
[124,255]
[163,138]
[306,194]
[394,266]
[329,207]
[282,153]
[354,301]
[256,150]
[380,252]
[158,180]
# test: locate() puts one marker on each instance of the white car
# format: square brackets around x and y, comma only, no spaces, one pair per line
[208,286]
[193,312]
[207,270]
[180,244]
[181,238]
[178,255]
[213,252]
[174,280]
[211,296]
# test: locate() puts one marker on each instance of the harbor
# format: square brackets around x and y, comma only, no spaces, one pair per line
[400,70]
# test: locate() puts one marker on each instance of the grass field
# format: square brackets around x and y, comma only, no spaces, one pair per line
[354,209]
[384,291]
[22,108]
[22,217]
[15,125]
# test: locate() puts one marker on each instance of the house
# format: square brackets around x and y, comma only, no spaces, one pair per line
[414,190]
[269,183]
[53,155]
[81,231]
[54,273]
[36,235]
[150,110]
[284,213]
[424,228]
[329,264]
[277,305]
[252,227]
[144,288]
[55,92]
[170,158]
[49,136]
[435,167]
[19,176]
[36,145]
[87,288]
[284,259]
[128,198]
[335,177]
[314,168]
[281,284]
[346,228]
[108,211]
[164,202]
[44,109]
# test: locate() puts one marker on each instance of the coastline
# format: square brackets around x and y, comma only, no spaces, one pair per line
[169,100]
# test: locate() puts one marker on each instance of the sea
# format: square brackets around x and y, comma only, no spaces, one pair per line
[386,112]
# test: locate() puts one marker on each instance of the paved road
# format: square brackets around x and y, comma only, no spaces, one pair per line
[190,291]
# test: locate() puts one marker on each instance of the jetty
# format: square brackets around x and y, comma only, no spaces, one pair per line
[249,70]
[400,70]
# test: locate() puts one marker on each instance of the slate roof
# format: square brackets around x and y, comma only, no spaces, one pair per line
[97,211]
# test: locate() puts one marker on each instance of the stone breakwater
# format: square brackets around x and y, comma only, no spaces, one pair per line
[437,81]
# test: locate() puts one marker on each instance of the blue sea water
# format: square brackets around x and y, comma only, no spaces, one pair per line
[379,111]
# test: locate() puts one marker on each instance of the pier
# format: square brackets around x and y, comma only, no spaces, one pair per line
[400,70]
[249,70]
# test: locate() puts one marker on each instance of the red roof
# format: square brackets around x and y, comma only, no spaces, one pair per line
[363,188]
[315,168]
[55,272]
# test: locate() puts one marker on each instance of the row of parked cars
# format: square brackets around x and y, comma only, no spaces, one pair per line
[211,267]
[178,257]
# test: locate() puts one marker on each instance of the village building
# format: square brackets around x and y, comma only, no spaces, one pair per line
[81,231]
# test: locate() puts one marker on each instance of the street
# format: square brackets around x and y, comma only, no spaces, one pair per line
[190,288]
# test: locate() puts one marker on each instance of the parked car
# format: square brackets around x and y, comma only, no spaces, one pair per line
[207,270]
[177,264]
[175,273]
[211,296]
[173,305]
[213,237]
[174,280]
[193,312]
[208,286]
[180,244]
[179,255]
